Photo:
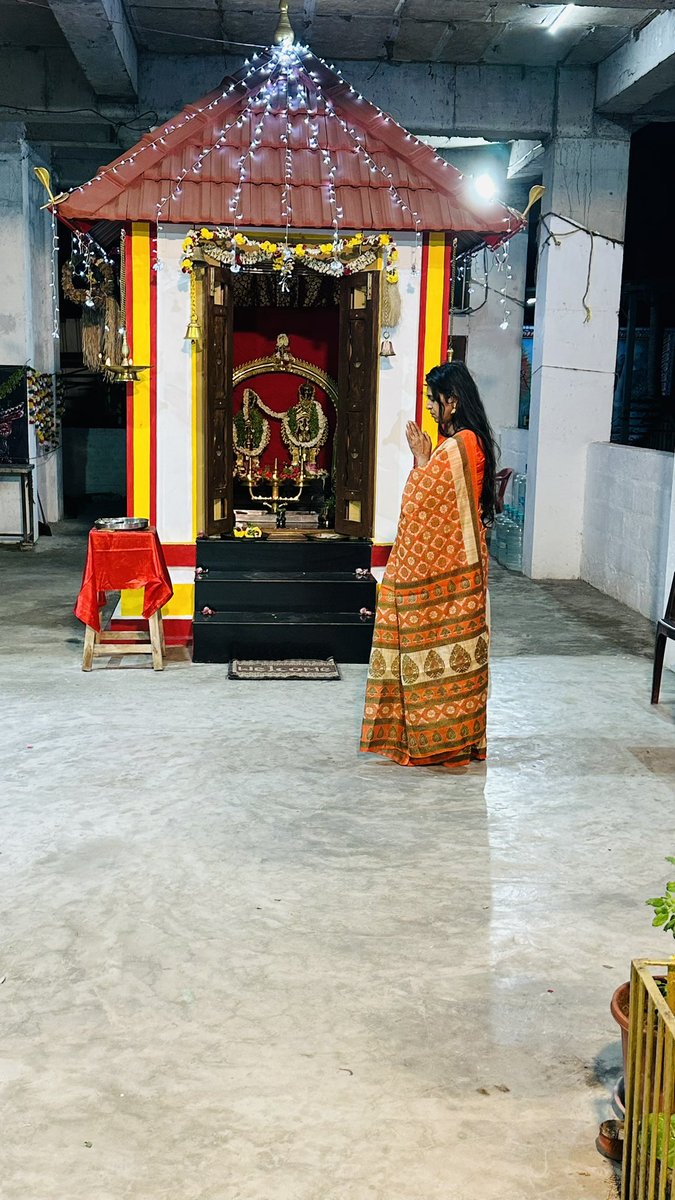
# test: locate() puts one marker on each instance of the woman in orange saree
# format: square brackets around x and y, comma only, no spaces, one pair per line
[426,696]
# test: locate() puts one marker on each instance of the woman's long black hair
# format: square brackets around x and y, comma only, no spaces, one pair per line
[454,381]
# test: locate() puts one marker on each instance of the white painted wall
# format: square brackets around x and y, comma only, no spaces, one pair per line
[626,524]
[26,305]
[174,393]
[494,354]
[397,400]
[513,445]
[43,348]
[572,392]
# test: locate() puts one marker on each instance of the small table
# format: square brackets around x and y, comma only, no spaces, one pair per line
[24,473]
[124,559]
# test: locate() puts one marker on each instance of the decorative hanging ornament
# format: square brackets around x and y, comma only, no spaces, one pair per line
[453,282]
[193,332]
[346,256]
[88,282]
[284,35]
[387,349]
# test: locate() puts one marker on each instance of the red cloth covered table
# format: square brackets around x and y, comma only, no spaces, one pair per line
[125,559]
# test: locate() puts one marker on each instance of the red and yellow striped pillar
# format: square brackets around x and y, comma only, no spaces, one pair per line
[434,317]
[141,318]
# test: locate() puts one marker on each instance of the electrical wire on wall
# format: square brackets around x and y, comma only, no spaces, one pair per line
[483,285]
[557,240]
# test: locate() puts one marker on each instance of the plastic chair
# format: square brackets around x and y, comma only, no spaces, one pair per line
[665,629]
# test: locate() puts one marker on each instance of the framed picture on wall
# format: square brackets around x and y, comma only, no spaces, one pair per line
[13,415]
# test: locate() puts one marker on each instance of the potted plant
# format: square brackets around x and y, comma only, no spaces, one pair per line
[664,917]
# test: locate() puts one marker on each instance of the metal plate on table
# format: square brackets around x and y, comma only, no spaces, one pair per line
[117,524]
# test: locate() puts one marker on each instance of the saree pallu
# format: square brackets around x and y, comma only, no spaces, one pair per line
[426,695]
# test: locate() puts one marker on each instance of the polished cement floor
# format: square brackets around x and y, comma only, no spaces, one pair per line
[240,962]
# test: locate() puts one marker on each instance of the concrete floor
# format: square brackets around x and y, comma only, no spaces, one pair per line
[240,962]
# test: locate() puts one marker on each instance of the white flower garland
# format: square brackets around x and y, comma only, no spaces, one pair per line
[290,439]
[343,256]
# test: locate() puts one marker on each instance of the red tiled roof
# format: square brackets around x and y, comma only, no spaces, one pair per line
[135,184]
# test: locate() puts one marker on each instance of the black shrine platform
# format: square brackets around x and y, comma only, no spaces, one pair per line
[283,599]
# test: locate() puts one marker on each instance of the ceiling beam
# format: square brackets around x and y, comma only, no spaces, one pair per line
[641,70]
[308,15]
[394,29]
[443,41]
[101,40]
[435,98]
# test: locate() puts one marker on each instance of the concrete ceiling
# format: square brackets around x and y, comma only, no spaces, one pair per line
[456,31]
[88,77]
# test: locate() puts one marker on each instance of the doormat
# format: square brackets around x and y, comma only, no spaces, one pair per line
[284,668]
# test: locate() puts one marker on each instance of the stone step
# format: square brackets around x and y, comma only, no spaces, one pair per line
[228,634]
[340,591]
[248,554]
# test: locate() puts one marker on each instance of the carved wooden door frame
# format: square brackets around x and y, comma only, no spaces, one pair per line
[218,350]
[356,431]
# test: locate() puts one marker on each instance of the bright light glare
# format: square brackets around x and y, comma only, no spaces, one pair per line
[561,17]
[486,186]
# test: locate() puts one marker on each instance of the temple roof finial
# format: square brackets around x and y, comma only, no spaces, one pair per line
[284,35]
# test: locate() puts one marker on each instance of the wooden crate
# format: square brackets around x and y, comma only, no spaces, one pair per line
[649,1145]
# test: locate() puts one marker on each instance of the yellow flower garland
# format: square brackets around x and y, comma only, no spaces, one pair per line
[346,255]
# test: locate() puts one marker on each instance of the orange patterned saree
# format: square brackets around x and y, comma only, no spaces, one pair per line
[427,685]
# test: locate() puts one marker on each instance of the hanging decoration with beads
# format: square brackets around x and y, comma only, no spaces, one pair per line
[45,408]
[344,257]
[88,281]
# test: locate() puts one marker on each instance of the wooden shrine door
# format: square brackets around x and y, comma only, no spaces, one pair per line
[218,345]
[357,410]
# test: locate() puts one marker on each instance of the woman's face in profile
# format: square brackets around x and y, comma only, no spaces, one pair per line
[434,406]
[442,409]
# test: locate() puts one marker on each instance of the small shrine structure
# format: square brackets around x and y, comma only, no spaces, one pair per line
[287,253]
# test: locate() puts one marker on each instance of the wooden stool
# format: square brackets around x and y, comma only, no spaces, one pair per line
[101,645]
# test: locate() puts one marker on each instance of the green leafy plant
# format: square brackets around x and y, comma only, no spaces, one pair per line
[664,918]
[665,1141]
[664,906]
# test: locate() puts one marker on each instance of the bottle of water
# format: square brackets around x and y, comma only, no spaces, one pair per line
[494,534]
[502,539]
[520,491]
[514,547]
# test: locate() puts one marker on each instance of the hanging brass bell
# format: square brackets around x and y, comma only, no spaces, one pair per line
[193,332]
[387,349]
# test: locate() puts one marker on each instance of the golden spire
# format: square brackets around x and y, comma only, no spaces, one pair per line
[284,35]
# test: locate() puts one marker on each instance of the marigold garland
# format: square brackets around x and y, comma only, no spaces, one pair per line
[45,409]
[346,256]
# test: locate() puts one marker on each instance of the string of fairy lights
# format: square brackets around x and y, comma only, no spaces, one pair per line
[286,70]
[284,83]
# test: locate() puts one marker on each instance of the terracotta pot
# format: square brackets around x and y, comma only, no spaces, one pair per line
[619,1009]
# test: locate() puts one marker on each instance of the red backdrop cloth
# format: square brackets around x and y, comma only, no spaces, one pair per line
[314,337]
[126,559]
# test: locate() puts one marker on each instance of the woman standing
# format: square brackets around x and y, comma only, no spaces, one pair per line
[427,685]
